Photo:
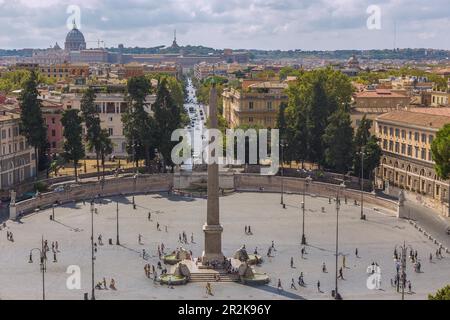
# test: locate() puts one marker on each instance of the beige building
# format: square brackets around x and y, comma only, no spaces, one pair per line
[111,106]
[440,98]
[17,158]
[373,103]
[405,139]
[258,104]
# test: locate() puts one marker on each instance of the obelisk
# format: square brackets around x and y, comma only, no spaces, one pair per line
[212,228]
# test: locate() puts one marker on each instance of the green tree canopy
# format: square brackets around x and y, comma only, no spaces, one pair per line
[73,144]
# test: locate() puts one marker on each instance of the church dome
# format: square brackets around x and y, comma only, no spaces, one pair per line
[75,40]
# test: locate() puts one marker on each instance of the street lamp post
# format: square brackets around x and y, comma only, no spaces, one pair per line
[337,296]
[362,154]
[43,263]
[117,214]
[92,249]
[402,276]
[283,144]
[306,184]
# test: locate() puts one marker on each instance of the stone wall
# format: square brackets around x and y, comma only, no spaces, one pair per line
[163,183]
[87,191]
[248,182]
[185,179]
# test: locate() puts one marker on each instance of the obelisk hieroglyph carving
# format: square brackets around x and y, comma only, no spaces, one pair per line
[212,228]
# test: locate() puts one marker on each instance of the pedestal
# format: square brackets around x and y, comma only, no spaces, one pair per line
[12,212]
[213,244]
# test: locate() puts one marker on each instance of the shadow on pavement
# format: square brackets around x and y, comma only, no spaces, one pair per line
[283,293]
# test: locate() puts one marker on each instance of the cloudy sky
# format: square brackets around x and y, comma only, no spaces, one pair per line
[260,24]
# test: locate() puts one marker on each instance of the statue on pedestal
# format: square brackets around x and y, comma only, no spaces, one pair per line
[12,194]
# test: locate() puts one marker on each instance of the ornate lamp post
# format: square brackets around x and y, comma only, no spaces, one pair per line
[283,144]
[337,296]
[117,224]
[362,154]
[43,263]
[402,276]
[92,249]
[307,180]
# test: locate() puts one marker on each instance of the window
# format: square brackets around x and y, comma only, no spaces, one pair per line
[250,105]
[424,138]
[269,105]
[430,139]
[424,154]
[110,131]
[403,134]
[410,135]
[250,119]
[53,120]
[385,144]
[385,130]
[397,147]
[416,136]
[391,145]
[110,107]
[430,156]
[416,153]
[3,134]
[53,133]
[391,131]
[397,133]
[53,144]
[409,150]
[403,148]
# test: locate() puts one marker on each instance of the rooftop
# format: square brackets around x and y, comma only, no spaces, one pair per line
[424,118]
[380,93]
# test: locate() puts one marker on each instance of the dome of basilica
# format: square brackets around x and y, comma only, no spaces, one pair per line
[75,40]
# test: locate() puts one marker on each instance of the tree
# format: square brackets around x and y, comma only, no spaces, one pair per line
[440,150]
[316,121]
[441,294]
[366,142]
[73,144]
[91,119]
[167,119]
[106,147]
[32,123]
[338,141]
[137,122]
[281,120]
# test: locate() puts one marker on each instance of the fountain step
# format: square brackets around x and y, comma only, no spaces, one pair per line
[210,277]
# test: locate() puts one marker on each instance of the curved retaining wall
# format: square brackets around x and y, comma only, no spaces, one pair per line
[87,191]
[250,182]
[164,182]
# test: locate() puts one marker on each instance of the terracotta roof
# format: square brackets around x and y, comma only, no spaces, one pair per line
[416,118]
[435,111]
[380,93]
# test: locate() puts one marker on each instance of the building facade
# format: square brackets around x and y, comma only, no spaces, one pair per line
[111,107]
[17,158]
[257,105]
[407,163]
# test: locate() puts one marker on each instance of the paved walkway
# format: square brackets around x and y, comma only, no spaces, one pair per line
[374,238]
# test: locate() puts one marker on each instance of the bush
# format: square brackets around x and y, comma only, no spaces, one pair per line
[40,186]
[441,294]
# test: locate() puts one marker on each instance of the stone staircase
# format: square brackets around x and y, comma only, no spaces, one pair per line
[209,277]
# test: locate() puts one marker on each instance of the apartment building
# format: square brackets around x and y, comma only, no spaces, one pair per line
[405,139]
[110,106]
[17,158]
[255,104]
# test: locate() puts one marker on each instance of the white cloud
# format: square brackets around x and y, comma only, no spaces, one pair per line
[270,24]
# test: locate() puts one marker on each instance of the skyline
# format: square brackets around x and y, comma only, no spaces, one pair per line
[286,25]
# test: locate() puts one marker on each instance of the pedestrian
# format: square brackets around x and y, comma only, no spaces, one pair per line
[300,279]
[409,286]
[192,237]
[143,253]
[157,226]
[279,287]
[100,240]
[318,285]
[293,284]
[431,257]
[165,228]
[324,267]
[149,216]
[179,237]
[53,246]
[343,261]
[104,283]
[269,251]
[273,246]
[341,276]
[256,251]
[56,246]
[54,257]
[95,247]
[112,285]
[356,252]
[146,270]
[303,251]
[249,230]
[246,229]
[139,238]
[292,262]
